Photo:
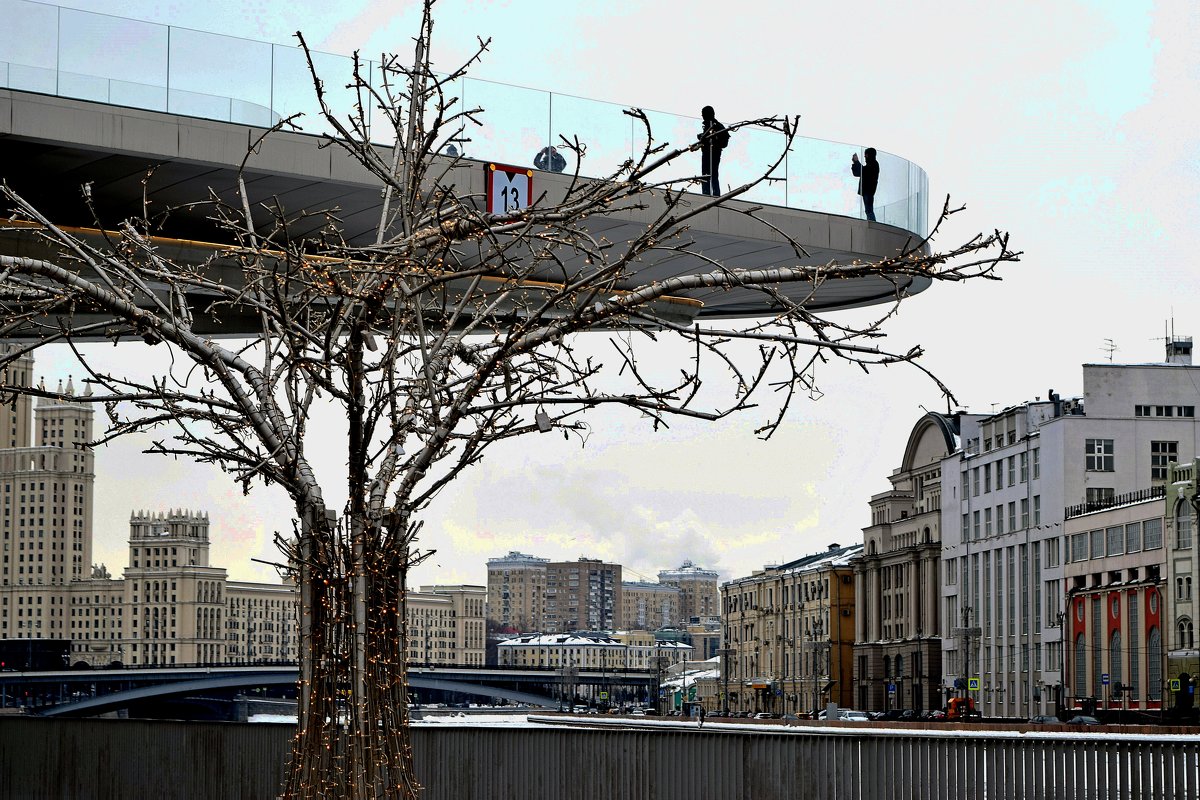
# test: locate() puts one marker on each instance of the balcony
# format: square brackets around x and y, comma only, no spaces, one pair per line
[52,50]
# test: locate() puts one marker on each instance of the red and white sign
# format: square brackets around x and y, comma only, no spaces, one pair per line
[509,188]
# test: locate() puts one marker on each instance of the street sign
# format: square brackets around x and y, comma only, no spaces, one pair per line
[509,188]
[1174,684]
[1104,678]
[604,695]
[891,688]
[973,684]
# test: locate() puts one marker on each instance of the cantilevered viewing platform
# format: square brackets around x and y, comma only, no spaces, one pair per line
[100,100]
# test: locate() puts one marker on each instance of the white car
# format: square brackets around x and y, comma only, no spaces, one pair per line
[847,715]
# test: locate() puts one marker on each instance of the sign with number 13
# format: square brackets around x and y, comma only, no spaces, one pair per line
[509,189]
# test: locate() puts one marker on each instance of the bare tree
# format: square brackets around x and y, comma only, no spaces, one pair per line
[454,329]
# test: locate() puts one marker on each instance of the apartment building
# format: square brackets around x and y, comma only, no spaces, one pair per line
[700,596]
[649,606]
[582,595]
[516,591]
[789,634]
[446,626]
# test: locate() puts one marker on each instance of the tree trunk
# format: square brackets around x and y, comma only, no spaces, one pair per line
[352,740]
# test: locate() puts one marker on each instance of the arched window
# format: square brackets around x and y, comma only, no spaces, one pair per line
[1080,666]
[1154,665]
[1183,524]
[1184,639]
[1115,675]
[899,666]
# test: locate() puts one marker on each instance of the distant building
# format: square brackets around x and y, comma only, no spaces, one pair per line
[172,606]
[582,595]
[516,591]
[1021,478]
[700,596]
[898,649]
[1115,605]
[649,606]
[446,625]
[789,634]
[624,650]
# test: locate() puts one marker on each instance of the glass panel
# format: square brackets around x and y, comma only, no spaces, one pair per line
[210,74]
[603,128]
[113,60]
[293,90]
[516,123]
[673,131]
[819,178]
[899,189]
[29,44]
[751,154]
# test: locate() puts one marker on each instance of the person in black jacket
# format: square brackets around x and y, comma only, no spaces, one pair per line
[713,139]
[549,159]
[868,179]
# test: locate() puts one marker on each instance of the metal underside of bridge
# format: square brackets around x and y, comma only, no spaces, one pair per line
[50,147]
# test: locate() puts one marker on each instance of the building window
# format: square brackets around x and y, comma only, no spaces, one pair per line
[1152,534]
[1162,454]
[987,522]
[1115,674]
[1080,665]
[1133,537]
[975,482]
[1183,525]
[1079,547]
[1098,495]
[976,523]
[1183,587]
[1135,672]
[1037,463]
[1024,467]
[987,478]
[1024,512]
[1184,628]
[1154,665]
[1012,516]
[1116,540]
[1099,455]
[1012,470]
[1037,509]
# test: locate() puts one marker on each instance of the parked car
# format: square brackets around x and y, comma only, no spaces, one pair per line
[1044,719]
[637,712]
[766,715]
[1083,719]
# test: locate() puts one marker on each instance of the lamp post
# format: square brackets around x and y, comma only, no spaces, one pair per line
[725,653]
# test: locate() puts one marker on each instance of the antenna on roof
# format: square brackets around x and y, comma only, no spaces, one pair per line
[1110,347]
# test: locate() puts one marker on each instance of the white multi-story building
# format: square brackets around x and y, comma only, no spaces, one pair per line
[1006,494]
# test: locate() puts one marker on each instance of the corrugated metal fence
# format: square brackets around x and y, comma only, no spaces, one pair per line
[132,759]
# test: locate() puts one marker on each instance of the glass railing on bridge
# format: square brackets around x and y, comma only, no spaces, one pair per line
[83,55]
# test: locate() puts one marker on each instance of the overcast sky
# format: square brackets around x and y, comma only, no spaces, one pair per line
[1070,124]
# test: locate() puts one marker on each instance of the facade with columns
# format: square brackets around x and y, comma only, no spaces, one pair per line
[897,650]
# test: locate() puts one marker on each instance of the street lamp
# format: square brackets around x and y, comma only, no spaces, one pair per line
[725,653]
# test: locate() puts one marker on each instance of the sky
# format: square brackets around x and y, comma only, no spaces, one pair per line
[1071,125]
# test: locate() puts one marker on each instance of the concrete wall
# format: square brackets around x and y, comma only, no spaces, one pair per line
[132,759]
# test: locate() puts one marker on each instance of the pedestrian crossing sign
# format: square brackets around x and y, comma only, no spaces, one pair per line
[973,684]
[1174,684]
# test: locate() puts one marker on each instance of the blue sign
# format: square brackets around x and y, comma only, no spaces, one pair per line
[1104,678]
[891,688]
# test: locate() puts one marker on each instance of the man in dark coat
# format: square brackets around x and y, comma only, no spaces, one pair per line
[713,139]
[868,179]
[550,160]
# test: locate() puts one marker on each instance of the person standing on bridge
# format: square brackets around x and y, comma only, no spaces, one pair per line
[713,139]
[868,179]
